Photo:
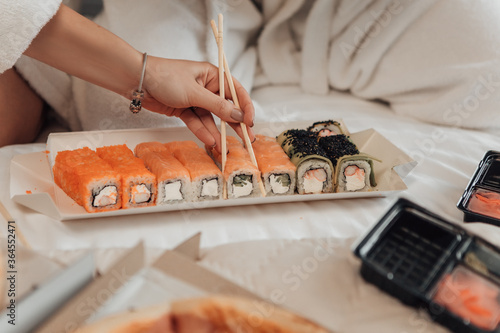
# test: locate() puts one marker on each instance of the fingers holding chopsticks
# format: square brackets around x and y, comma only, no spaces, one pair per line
[237,128]
[209,99]
[202,124]
[172,87]
[245,103]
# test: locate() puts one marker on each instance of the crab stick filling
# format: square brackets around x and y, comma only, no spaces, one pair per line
[107,196]
[354,178]
[314,180]
[326,132]
[140,193]
[172,191]
[209,187]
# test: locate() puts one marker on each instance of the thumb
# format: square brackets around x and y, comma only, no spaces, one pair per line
[217,105]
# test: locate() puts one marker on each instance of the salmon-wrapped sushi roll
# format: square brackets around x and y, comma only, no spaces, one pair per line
[206,178]
[173,180]
[147,147]
[275,166]
[88,179]
[240,174]
[138,183]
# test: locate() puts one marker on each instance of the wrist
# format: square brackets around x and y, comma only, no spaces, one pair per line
[138,94]
[150,80]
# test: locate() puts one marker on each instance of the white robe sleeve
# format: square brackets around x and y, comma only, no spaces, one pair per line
[20,23]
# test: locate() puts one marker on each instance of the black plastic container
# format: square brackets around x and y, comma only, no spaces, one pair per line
[484,184]
[428,262]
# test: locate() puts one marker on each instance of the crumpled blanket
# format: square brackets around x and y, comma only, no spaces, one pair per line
[433,60]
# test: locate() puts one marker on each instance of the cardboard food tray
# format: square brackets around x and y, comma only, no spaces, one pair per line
[32,183]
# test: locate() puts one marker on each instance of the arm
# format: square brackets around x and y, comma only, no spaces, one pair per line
[79,47]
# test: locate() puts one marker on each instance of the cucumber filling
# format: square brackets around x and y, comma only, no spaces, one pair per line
[280,183]
[242,185]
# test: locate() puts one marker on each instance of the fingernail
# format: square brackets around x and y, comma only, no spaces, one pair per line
[237,115]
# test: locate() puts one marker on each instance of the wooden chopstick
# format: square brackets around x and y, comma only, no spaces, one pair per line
[244,129]
[11,225]
[220,47]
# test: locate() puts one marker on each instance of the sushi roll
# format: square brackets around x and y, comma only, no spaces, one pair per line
[327,128]
[277,171]
[147,147]
[354,173]
[138,183]
[337,145]
[240,174]
[353,170]
[173,179]
[314,169]
[88,179]
[206,178]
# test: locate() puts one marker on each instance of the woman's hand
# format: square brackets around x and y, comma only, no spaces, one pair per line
[180,88]
[189,90]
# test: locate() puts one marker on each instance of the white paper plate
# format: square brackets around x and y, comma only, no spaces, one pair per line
[32,183]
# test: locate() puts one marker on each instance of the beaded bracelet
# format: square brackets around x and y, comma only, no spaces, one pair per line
[138,95]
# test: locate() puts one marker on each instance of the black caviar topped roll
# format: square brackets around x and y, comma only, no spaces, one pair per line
[336,146]
[301,143]
[327,141]
[326,128]
[314,169]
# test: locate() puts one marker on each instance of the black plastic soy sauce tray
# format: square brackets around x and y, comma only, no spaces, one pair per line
[427,262]
[480,201]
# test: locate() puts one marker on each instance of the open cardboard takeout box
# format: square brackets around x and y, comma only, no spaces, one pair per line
[126,286]
[32,183]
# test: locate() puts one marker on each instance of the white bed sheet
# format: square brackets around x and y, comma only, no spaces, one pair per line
[447,158]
